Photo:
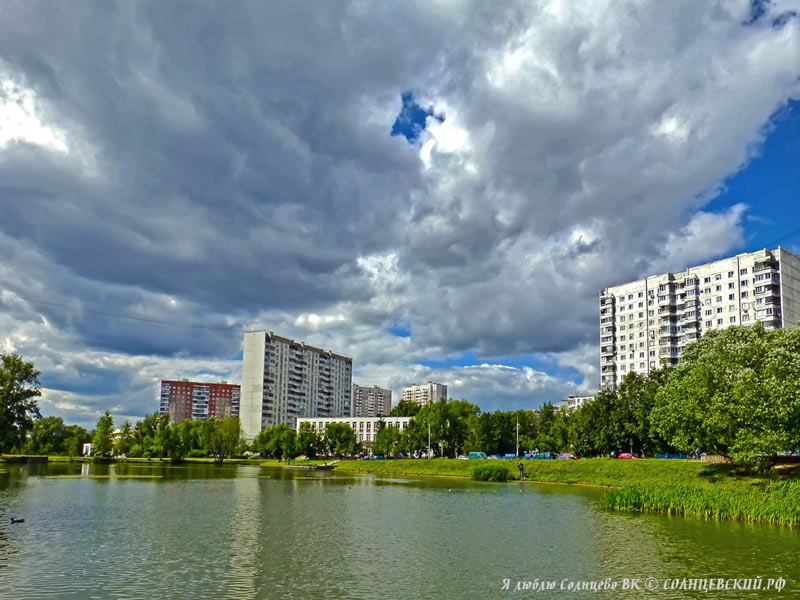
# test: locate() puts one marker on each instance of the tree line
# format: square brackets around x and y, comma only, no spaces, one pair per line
[734,392]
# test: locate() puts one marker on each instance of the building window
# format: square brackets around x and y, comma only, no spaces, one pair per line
[708,323]
[717,277]
[730,273]
[652,353]
[731,296]
[719,299]
[641,294]
[709,312]
[630,296]
[745,317]
[719,309]
[652,365]
[733,319]
[720,321]
[707,291]
[650,302]
[731,308]
[717,288]
[744,294]
[731,286]
[650,313]
[707,280]
[743,272]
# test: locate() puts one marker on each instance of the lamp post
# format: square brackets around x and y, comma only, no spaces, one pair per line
[517,437]
[429,439]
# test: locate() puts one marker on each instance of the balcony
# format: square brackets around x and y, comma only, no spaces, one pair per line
[606,350]
[607,301]
[664,300]
[608,368]
[767,290]
[765,265]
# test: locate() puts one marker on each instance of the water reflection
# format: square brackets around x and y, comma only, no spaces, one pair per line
[158,530]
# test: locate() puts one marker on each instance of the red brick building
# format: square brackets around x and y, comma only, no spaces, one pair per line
[198,401]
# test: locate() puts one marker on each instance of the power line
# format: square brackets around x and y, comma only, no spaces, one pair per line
[780,239]
[130,317]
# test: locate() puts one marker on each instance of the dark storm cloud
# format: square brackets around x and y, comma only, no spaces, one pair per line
[232,166]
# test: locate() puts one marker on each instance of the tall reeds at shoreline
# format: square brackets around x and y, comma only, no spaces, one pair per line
[777,503]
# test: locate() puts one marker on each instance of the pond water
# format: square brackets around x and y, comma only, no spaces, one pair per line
[205,531]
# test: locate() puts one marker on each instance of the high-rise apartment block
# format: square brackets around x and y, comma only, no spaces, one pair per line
[370,401]
[283,380]
[646,324]
[198,401]
[425,394]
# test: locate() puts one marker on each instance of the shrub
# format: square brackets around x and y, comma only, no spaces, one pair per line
[492,471]
[196,453]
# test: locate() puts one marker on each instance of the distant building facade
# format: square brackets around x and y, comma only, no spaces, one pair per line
[371,401]
[575,402]
[365,428]
[646,324]
[425,394]
[284,380]
[198,401]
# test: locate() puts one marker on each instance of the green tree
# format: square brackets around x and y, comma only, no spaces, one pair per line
[164,442]
[124,442]
[221,437]
[405,408]
[387,441]
[276,442]
[19,388]
[47,436]
[734,392]
[101,443]
[340,439]
[308,442]
[75,437]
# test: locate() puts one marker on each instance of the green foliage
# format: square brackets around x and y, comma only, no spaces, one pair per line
[405,408]
[491,471]
[124,441]
[221,437]
[101,443]
[778,503]
[387,441]
[735,392]
[276,442]
[308,441]
[19,388]
[340,439]
[47,436]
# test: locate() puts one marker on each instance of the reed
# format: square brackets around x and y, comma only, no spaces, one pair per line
[776,503]
[491,471]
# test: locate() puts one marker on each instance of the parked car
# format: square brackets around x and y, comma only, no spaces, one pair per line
[378,457]
[462,457]
[627,456]
[545,455]
[510,456]
[568,456]
[477,455]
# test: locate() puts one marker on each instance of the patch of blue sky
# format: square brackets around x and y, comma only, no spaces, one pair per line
[400,328]
[544,362]
[770,185]
[412,119]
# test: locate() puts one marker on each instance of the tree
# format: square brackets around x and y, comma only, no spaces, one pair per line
[101,443]
[308,441]
[47,436]
[734,392]
[340,438]
[123,443]
[221,437]
[19,388]
[405,408]
[75,437]
[277,441]
[387,441]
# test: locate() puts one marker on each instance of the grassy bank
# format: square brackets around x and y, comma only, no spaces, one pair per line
[660,486]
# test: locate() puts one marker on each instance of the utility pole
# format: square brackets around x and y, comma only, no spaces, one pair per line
[517,437]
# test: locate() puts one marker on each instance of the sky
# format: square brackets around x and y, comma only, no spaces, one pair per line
[438,189]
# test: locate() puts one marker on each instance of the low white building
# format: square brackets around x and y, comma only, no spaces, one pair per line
[365,428]
[575,402]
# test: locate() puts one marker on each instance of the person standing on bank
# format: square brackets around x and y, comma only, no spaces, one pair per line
[521,470]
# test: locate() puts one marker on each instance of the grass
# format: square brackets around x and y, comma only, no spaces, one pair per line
[777,503]
[682,487]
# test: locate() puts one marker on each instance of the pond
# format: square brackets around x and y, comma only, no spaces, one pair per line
[206,531]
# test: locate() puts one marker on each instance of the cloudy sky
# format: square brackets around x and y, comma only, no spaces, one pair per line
[437,189]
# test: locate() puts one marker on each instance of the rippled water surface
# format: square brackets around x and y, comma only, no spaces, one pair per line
[137,531]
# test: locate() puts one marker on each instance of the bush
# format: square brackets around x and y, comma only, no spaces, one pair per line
[493,471]
[135,451]
[196,454]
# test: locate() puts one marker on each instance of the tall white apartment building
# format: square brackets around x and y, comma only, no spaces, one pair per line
[646,324]
[425,394]
[284,380]
[370,401]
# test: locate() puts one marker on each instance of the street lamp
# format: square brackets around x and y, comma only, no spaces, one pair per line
[517,437]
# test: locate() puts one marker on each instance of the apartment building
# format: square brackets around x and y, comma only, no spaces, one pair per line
[370,401]
[198,401]
[647,323]
[425,394]
[575,402]
[365,428]
[284,380]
